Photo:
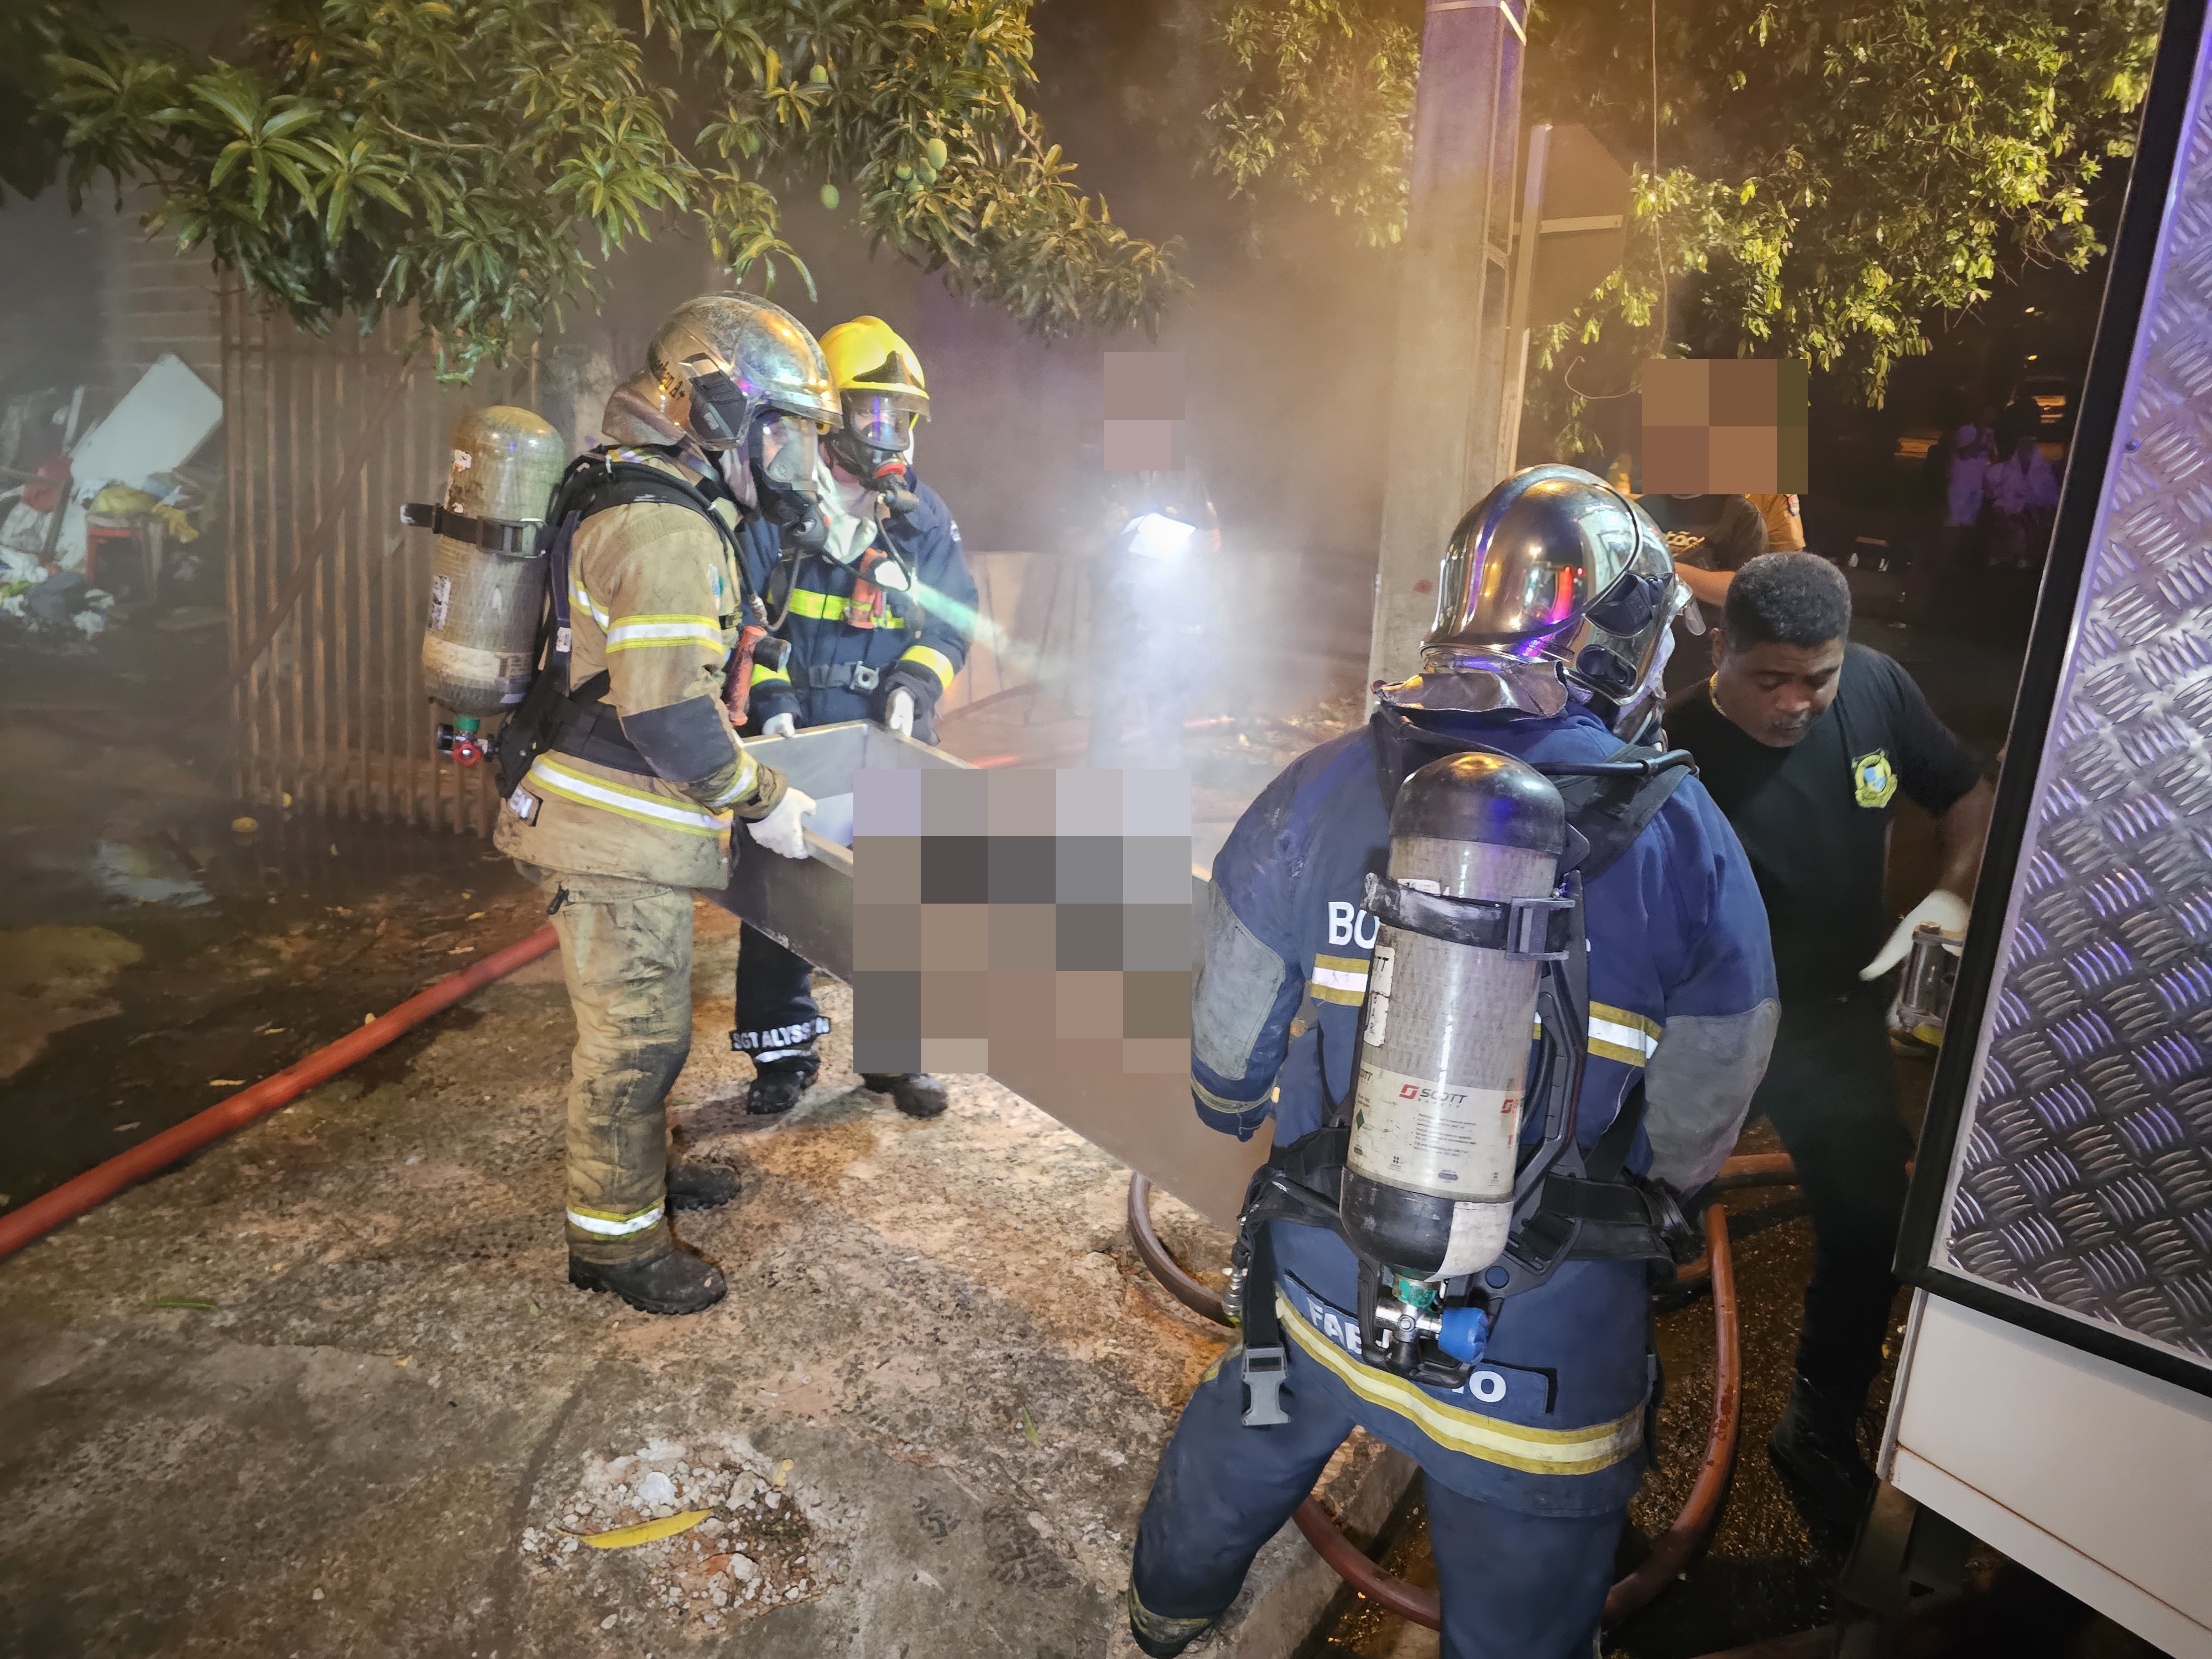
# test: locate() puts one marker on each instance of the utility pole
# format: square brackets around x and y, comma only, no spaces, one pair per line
[1448,397]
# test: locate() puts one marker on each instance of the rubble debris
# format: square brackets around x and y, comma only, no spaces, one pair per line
[739,1547]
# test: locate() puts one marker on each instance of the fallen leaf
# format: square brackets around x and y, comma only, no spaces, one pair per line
[200,1301]
[463,949]
[123,1128]
[645,1532]
[226,1082]
[1029,1428]
[783,1469]
[403,1362]
[478,915]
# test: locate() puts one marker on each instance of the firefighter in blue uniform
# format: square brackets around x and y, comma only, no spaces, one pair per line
[879,606]
[1530,1466]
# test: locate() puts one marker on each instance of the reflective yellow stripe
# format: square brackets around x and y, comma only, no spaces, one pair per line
[607,1224]
[1537,1451]
[1339,979]
[647,633]
[553,779]
[935,661]
[828,607]
[1223,1102]
[1620,1034]
[761,674]
[580,599]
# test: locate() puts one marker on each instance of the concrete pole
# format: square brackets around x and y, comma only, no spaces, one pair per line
[1447,401]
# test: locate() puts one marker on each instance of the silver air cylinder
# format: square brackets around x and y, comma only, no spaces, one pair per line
[1445,1033]
[485,605]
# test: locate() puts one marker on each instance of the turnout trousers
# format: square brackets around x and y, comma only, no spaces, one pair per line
[626,953]
[1831,1093]
[1512,1585]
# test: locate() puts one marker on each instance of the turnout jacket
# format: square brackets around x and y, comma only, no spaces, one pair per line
[922,637]
[654,600]
[1681,986]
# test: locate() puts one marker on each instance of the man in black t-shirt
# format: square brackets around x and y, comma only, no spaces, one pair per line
[1804,741]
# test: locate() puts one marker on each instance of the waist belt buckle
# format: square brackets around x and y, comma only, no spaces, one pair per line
[1263,1373]
[819,675]
[865,678]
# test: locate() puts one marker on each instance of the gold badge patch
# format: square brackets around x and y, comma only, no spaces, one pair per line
[1874,779]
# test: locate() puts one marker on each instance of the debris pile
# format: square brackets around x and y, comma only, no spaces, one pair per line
[719,1528]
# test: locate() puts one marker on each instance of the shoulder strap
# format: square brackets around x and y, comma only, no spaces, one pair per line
[1609,810]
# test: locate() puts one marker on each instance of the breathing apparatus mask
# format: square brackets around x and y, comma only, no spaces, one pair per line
[784,457]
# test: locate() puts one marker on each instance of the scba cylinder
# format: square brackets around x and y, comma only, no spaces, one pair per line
[487,593]
[1444,1036]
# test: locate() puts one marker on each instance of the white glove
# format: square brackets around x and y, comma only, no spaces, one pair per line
[781,831]
[1946,909]
[780,726]
[898,713]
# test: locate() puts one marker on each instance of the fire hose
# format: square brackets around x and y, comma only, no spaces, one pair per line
[103,1181]
[1680,1541]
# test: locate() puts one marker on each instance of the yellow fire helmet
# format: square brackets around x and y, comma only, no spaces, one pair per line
[879,383]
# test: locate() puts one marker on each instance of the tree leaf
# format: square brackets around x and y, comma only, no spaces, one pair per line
[645,1532]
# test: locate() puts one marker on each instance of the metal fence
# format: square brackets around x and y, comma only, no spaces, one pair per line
[332,716]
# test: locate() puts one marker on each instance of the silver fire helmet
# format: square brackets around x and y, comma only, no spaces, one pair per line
[723,360]
[1552,580]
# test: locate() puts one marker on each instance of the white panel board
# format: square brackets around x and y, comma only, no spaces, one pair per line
[2091,1474]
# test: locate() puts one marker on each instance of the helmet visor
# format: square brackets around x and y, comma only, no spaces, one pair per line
[790,448]
[881,421]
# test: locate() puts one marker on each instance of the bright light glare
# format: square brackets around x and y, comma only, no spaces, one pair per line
[1159,537]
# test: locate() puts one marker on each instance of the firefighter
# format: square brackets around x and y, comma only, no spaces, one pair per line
[633,771]
[1155,537]
[879,606]
[1555,602]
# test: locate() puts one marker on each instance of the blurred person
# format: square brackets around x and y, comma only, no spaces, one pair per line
[2019,495]
[622,770]
[1785,523]
[1152,542]
[2022,418]
[879,606]
[1528,1464]
[1804,740]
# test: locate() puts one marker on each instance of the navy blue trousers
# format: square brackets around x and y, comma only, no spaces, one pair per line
[776,1010]
[1512,1586]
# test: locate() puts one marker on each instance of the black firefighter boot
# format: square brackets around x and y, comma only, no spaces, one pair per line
[916,1093]
[776,1087]
[700,1185]
[1815,1450]
[673,1282]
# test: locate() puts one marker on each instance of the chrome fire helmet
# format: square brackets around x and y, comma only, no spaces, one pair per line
[1554,583]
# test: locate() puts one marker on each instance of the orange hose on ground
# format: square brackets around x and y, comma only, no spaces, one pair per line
[101,1182]
[1679,1543]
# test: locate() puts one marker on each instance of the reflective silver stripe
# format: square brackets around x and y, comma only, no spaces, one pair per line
[607,1227]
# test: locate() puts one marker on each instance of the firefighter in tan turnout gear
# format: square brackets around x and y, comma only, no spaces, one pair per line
[622,771]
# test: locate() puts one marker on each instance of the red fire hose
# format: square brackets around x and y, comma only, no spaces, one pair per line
[1680,1541]
[101,1182]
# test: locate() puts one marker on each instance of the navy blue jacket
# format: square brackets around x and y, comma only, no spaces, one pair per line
[920,638]
[1681,981]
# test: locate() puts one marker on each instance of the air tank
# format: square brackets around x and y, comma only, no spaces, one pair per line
[486,601]
[1445,1032]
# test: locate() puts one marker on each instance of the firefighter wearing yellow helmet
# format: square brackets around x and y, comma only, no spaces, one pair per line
[878,606]
[622,774]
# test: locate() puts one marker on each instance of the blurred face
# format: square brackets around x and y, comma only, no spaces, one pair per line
[1775,692]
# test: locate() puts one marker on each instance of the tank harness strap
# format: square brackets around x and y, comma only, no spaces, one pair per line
[839,675]
[1538,927]
[516,538]
[1262,1365]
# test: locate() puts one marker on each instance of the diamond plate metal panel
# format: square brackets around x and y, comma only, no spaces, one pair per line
[2082,1177]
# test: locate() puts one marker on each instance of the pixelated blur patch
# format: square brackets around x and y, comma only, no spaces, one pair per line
[1143,412]
[1736,426]
[1027,923]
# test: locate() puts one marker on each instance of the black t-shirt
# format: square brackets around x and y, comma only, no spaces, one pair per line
[1814,817]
